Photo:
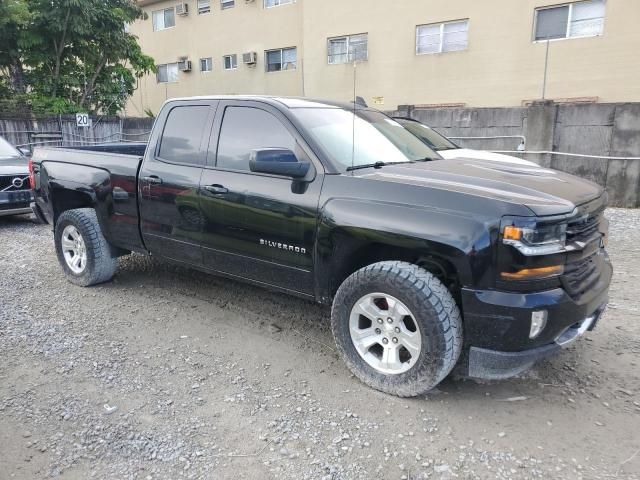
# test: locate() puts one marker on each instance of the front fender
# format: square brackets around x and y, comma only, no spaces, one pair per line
[346,226]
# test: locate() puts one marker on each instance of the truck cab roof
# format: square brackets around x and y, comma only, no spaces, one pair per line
[277,101]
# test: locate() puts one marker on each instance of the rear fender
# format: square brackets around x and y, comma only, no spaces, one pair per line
[79,187]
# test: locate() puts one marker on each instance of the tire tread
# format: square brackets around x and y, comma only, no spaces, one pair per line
[421,287]
[101,259]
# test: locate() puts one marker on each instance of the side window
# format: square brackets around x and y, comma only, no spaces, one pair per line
[245,129]
[182,135]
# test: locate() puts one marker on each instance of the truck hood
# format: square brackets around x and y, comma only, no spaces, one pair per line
[14,166]
[543,191]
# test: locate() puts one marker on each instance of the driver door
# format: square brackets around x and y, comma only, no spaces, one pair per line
[258,226]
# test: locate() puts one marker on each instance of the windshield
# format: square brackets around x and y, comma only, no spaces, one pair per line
[427,135]
[377,137]
[7,150]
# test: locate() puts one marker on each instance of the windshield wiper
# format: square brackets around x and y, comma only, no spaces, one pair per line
[366,165]
[376,165]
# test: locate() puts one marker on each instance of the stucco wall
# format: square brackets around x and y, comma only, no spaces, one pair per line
[502,66]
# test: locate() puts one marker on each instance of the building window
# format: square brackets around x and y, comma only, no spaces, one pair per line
[276,3]
[230,62]
[442,37]
[351,48]
[206,64]
[167,73]
[580,19]
[204,6]
[163,19]
[281,59]
[227,4]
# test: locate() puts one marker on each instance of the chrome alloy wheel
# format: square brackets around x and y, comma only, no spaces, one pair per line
[74,249]
[385,333]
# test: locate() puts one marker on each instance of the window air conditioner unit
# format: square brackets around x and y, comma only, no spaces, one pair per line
[184,65]
[182,9]
[250,58]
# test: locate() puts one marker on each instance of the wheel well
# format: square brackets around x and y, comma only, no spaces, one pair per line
[64,200]
[441,268]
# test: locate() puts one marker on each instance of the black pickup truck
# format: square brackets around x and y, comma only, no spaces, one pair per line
[427,263]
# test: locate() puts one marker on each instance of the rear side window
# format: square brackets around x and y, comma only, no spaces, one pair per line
[182,135]
[245,129]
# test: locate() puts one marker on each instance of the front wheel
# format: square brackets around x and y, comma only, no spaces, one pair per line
[84,254]
[397,327]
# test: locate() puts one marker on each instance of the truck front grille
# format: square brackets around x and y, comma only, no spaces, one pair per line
[585,227]
[582,272]
[581,275]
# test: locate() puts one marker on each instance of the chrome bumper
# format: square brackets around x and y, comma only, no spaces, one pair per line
[574,332]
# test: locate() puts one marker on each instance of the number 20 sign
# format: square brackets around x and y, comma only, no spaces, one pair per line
[83,120]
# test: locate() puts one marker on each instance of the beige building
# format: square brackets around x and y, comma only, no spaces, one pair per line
[427,52]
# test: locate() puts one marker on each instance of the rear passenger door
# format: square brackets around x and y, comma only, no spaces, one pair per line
[258,226]
[170,216]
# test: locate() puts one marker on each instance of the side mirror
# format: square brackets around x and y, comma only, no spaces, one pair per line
[278,161]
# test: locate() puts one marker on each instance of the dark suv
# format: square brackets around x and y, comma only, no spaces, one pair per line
[15,191]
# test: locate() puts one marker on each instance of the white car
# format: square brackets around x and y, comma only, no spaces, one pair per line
[449,150]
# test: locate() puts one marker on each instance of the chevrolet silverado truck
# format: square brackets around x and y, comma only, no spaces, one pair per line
[427,263]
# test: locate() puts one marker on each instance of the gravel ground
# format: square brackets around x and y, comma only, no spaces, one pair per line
[169,373]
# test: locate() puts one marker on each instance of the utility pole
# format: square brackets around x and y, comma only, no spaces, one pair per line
[546,67]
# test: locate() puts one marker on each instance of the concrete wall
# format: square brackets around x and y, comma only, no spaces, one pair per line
[590,129]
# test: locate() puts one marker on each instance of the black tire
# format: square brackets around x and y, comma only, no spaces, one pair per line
[432,306]
[101,258]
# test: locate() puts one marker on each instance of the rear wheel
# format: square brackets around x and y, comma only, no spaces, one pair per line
[397,328]
[84,254]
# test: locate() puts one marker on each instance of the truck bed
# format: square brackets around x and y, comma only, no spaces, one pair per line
[129,148]
[104,176]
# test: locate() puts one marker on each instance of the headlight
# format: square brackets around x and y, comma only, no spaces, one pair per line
[536,239]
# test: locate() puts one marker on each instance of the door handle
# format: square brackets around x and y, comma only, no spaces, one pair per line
[216,189]
[154,179]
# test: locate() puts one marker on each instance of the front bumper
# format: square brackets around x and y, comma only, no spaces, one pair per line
[496,365]
[15,202]
[497,324]
[14,211]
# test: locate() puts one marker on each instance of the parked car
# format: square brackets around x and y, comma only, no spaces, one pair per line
[15,191]
[449,150]
[427,263]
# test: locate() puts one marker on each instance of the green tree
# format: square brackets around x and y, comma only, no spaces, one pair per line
[14,20]
[75,54]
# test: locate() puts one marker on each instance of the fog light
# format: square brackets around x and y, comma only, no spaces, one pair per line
[538,322]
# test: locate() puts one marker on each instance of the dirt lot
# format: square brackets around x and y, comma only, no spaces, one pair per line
[168,373]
